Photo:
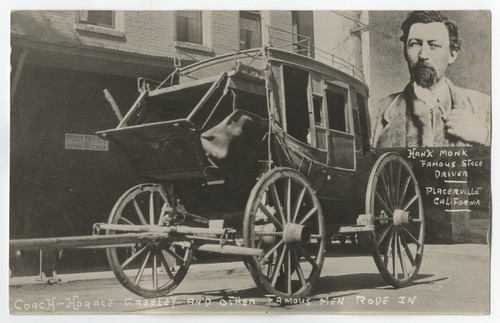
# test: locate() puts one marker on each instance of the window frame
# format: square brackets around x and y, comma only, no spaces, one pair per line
[257,14]
[206,33]
[81,21]
[117,29]
[176,28]
[313,125]
[331,86]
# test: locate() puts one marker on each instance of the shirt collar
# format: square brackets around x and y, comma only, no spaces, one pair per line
[439,96]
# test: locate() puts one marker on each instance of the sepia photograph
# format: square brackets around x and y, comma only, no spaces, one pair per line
[442,98]
[250,162]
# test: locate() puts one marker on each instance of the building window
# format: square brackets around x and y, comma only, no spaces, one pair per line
[189,26]
[250,30]
[110,23]
[97,18]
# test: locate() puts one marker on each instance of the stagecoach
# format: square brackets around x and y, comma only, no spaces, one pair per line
[264,154]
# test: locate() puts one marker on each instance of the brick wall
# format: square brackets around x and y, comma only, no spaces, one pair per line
[225,31]
[153,32]
[145,32]
[281,20]
[150,32]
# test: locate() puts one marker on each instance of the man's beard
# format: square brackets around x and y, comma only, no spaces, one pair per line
[423,74]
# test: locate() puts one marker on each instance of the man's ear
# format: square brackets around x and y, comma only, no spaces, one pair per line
[453,56]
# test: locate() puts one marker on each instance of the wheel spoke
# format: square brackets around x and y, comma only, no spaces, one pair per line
[309,214]
[164,263]
[278,265]
[135,255]
[386,191]
[407,250]
[410,202]
[400,255]
[300,272]
[277,202]
[126,220]
[269,216]
[288,201]
[392,187]
[398,183]
[384,234]
[269,268]
[139,213]
[154,272]
[141,270]
[151,208]
[394,254]
[307,256]
[412,238]
[289,272]
[402,197]
[273,249]
[175,255]
[298,203]
[388,249]
[384,205]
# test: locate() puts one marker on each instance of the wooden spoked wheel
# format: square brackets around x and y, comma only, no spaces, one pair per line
[394,200]
[283,217]
[150,269]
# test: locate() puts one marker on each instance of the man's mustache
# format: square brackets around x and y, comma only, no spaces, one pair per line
[423,64]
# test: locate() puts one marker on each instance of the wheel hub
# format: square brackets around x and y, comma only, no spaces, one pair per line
[402,217]
[293,233]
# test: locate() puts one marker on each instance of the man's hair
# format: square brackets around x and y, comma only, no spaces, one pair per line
[427,17]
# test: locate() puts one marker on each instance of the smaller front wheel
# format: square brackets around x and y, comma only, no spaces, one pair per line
[151,269]
[283,217]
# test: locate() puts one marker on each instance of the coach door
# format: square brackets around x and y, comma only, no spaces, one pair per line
[340,128]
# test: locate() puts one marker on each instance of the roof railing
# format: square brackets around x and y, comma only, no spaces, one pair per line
[301,44]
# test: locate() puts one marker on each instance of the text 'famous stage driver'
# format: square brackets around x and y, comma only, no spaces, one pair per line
[431,111]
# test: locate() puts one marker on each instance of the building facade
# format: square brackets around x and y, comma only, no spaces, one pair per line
[63,179]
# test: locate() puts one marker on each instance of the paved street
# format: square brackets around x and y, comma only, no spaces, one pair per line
[452,279]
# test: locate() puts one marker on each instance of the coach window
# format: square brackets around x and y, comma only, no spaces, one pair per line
[319,122]
[336,100]
[296,82]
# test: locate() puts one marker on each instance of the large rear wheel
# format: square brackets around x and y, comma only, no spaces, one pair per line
[394,200]
[283,217]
